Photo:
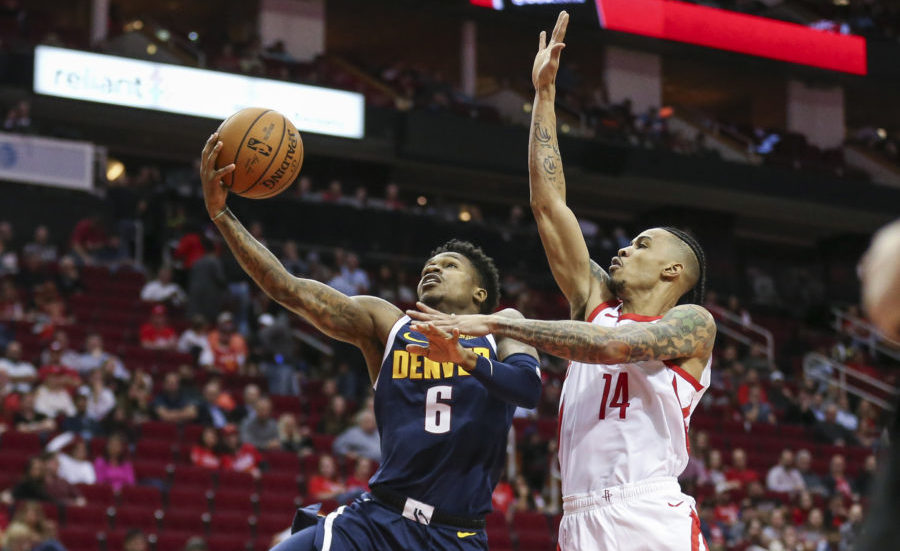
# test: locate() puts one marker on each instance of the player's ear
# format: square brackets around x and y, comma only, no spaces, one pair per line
[480,295]
[672,271]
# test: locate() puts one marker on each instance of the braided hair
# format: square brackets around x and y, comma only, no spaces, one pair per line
[699,289]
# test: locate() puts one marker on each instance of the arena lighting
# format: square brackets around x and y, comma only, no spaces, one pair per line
[114,169]
[735,32]
[142,84]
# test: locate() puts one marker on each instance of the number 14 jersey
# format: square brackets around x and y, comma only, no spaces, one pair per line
[622,424]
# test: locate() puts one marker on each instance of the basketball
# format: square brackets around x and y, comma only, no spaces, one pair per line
[266,149]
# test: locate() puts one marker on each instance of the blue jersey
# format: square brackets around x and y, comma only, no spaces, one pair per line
[443,436]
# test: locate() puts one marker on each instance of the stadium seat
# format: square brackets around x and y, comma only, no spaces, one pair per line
[185,520]
[270,523]
[188,499]
[158,430]
[236,482]
[193,477]
[233,502]
[89,517]
[100,495]
[190,434]
[13,462]
[159,450]
[152,470]
[231,543]
[279,483]
[282,461]
[21,442]
[146,519]
[148,497]
[236,525]
[174,539]
[277,504]
[79,539]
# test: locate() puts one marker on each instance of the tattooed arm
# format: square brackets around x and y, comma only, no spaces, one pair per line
[582,281]
[364,321]
[685,332]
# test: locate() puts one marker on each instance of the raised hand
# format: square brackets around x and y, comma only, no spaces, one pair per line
[214,192]
[546,62]
[442,346]
[474,325]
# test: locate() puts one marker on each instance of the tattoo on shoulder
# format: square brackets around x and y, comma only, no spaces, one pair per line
[686,331]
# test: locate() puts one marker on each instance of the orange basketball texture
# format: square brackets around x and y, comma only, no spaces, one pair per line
[266,149]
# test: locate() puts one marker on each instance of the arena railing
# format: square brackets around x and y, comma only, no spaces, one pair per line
[819,367]
[863,331]
[748,334]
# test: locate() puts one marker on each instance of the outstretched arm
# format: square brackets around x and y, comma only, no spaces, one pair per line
[582,281]
[685,332]
[357,320]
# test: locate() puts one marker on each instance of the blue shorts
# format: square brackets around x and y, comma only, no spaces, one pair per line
[369,525]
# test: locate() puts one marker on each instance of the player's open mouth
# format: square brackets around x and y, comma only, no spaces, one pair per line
[429,279]
[615,263]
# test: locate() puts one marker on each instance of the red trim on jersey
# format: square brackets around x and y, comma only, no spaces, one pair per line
[684,375]
[601,307]
[685,411]
[638,317]
[562,405]
[696,535]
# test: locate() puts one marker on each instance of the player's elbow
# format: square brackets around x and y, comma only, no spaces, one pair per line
[532,396]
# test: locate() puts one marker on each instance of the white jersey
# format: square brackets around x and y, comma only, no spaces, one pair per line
[626,423]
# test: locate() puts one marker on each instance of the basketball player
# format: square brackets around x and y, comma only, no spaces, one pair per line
[640,362]
[443,421]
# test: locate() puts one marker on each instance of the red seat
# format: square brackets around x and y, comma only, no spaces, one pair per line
[152,470]
[159,450]
[147,497]
[188,499]
[281,504]
[188,521]
[190,435]
[191,476]
[21,442]
[143,518]
[236,525]
[323,442]
[51,511]
[270,524]
[231,543]
[233,502]
[88,517]
[158,430]
[99,495]
[79,539]
[282,461]
[13,462]
[174,539]
[235,481]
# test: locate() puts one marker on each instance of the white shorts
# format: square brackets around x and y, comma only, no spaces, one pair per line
[652,515]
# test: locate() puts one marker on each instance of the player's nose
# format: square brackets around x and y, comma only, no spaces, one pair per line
[624,251]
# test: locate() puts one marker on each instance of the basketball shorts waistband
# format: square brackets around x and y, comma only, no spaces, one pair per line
[578,503]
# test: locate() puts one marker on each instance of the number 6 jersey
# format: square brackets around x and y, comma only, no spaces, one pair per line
[443,436]
[622,424]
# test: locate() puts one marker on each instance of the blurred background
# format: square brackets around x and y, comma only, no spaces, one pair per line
[152,398]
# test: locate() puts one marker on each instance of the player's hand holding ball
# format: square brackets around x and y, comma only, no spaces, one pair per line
[214,193]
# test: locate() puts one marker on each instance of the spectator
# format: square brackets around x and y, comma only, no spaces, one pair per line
[351,279]
[114,467]
[11,306]
[51,397]
[88,237]
[139,397]
[293,436]
[780,397]
[22,375]
[95,356]
[278,351]
[81,423]
[195,543]
[27,419]
[206,289]
[59,352]
[163,290]
[739,474]
[866,476]
[525,499]
[32,275]
[195,341]
[60,490]
[845,416]
[361,440]
[171,405]
[32,485]
[836,481]
[326,483]
[18,119]
[290,259]
[335,420]
[41,247]
[134,541]
[205,452]
[237,456]
[813,533]
[362,472]
[30,516]
[502,498]
[784,477]
[756,410]
[157,334]
[68,278]
[392,198]
[19,537]
[76,468]
[209,412]
[261,431]
[248,408]
[100,399]
[811,480]
[774,529]
[9,262]
[850,530]
[716,472]
[228,346]
[830,431]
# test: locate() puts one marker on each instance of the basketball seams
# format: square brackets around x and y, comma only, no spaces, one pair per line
[262,176]
[240,145]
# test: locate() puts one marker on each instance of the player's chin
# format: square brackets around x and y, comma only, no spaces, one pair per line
[430,296]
